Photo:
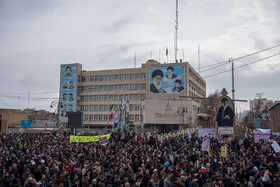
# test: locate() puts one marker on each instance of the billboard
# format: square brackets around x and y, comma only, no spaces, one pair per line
[25,124]
[75,120]
[167,79]
[225,115]
[67,90]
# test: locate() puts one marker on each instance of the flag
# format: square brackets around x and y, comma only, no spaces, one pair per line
[166,52]
[116,120]
[189,134]
[203,168]
[111,112]
[183,173]
[103,141]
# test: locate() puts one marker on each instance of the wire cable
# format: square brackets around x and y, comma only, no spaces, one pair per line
[242,65]
[235,59]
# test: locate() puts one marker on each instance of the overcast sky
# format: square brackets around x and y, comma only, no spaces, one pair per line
[36,36]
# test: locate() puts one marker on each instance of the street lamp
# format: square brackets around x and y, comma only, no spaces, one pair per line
[58,105]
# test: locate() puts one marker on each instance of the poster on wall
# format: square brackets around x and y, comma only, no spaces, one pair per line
[167,79]
[225,115]
[67,90]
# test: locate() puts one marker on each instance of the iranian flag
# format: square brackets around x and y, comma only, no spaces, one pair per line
[111,112]
[203,168]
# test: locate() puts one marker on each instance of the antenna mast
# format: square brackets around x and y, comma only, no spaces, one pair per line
[176,32]
[198,58]
[134,59]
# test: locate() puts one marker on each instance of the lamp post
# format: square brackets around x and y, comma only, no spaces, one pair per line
[58,105]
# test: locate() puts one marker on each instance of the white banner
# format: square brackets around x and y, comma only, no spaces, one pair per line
[262,133]
[276,146]
[205,144]
[225,130]
[210,133]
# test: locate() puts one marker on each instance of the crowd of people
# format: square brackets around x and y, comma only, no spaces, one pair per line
[34,160]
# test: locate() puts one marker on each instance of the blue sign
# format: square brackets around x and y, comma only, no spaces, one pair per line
[68,89]
[25,124]
[257,123]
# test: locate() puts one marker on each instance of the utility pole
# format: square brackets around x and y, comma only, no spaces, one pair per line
[232,69]
[28,99]
[176,32]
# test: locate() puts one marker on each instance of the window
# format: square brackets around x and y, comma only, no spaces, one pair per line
[96,98]
[132,107]
[111,98]
[117,87]
[120,97]
[87,88]
[106,108]
[102,78]
[82,98]
[106,118]
[86,117]
[132,96]
[136,86]
[137,97]
[126,77]
[101,88]
[126,86]
[95,117]
[84,107]
[143,97]
[101,98]
[121,87]
[131,117]
[112,87]
[137,76]
[95,107]
[126,97]
[91,108]
[83,79]
[101,117]
[143,76]
[116,77]
[136,117]
[86,97]
[87,79]
[122,77]
[91,98]
[194,107]
[116,107]
[106,77]
[101,107]
[90,117]
[132,76]
[132,87]
[116,97]
[105,97]
[112,77]
[137,107]
[106,87]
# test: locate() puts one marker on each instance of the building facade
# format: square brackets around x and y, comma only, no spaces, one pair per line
[150,95]
[275,117]
[38,118]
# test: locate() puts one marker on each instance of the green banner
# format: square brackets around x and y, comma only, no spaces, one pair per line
[88,138]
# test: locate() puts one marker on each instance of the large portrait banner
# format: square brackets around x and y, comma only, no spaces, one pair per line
[67,90]
[167,79]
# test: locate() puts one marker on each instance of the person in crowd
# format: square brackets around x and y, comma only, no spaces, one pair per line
[160,160]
